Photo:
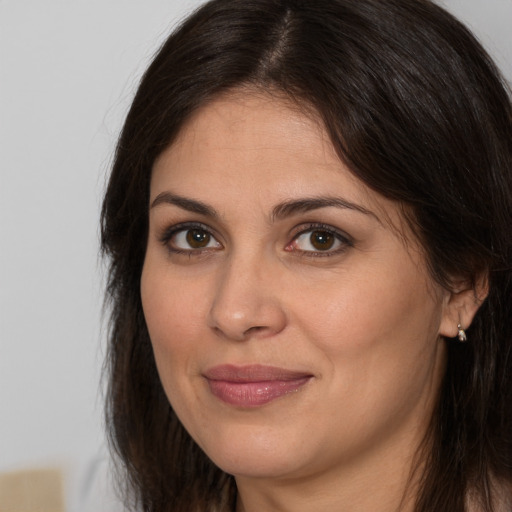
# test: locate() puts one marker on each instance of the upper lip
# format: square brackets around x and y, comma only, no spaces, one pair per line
[253,373]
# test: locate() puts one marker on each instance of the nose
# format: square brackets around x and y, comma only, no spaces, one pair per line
[247,302]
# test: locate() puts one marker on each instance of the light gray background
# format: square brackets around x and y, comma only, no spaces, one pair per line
[68,70]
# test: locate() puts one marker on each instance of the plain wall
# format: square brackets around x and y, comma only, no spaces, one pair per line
[68,70]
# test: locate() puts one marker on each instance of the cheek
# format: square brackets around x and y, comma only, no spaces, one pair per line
[383,362]
[175,310]
[377,330]
[174,314]
[367,306]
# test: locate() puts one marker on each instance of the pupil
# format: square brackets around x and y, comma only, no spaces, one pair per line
[197,238]
[322,240]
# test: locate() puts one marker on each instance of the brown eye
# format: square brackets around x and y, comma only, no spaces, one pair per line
[322,240]
[192,239]
[198,238]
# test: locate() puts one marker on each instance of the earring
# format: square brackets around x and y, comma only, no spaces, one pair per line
[462,334]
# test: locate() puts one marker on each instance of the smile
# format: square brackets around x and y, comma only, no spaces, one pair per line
[254,385]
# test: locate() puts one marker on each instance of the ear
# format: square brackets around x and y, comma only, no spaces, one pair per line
[461,304]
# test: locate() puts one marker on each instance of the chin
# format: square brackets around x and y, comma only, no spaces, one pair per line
[257,454]
[258,466]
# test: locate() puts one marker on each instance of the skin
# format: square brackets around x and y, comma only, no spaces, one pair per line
[363,317]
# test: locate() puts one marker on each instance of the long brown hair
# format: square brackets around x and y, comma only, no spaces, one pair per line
[419,113]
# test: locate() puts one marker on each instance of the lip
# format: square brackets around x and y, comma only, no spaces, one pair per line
[253,385]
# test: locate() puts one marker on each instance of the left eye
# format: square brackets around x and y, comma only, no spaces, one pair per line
[318,240]
[193,239]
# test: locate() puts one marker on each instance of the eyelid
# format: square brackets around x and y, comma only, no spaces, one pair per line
[341,236]
[168,233]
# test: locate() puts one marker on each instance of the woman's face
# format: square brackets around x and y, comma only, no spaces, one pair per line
[294,324]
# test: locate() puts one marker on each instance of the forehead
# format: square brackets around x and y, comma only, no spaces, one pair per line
[249,124]
[244,142]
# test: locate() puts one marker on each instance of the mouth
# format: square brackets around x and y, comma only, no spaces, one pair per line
[253,385]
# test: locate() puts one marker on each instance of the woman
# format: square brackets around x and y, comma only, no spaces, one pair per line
[308,224]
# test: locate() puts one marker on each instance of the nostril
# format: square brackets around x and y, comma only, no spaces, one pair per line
[253,330]
[244,335]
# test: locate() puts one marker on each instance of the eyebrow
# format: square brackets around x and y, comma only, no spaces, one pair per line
[293,207]
[190,205]
[279,212]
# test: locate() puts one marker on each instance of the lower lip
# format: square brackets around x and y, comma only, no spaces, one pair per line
[254,394]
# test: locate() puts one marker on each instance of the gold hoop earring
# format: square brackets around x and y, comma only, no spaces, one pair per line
[461,334]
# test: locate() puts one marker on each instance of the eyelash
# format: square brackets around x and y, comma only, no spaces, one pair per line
[174,230]
[341,237]
[344,240]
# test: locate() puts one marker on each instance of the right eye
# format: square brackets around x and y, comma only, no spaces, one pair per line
[190,239]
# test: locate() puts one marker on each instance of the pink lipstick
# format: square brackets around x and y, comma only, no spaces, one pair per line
[253,385]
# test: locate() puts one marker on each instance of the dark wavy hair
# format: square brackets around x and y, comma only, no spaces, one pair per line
[418,111]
